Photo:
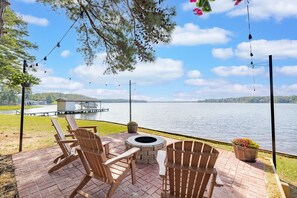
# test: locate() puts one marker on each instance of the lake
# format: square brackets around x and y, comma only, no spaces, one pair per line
[218,121]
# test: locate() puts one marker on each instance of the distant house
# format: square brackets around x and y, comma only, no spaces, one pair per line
[69,105]
[35,102]
[65,105]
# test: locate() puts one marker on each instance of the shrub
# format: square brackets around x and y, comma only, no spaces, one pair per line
[245,142]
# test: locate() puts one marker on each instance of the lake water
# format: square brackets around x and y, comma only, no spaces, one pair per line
[218,121]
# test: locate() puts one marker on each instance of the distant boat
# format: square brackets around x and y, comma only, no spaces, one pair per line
[89,105]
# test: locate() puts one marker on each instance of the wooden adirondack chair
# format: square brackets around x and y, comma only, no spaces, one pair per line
[72,125]
[69,153]
[188,168]
[98,165]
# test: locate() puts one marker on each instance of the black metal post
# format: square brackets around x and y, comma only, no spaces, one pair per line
[22,110]
[272,111]
[130,105]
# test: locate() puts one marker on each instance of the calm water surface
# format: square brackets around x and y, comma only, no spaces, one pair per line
[219,121]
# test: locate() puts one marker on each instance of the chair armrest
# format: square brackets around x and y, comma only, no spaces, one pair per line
[69,135]
[66,141]
[105,144]
[71,131]
[161,156]
[127,154]
[88,127]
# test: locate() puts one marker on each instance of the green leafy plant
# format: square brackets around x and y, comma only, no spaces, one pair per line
[245,142]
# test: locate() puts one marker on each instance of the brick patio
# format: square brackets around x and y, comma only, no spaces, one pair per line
[240,179]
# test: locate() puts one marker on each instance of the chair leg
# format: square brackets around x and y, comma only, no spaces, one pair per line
[83,182]
[64,162]
[133,172]
[112,189]
[213,179]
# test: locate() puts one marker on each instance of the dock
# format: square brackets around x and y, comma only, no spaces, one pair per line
[78,111]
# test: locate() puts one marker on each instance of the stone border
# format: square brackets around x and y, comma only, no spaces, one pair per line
[148,151]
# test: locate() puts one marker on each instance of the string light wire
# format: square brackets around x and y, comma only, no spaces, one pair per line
[59,42]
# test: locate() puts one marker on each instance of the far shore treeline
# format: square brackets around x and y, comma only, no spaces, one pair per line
[51,97]
[11,98]
[254,99]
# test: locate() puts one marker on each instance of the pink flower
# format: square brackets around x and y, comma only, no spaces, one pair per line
[193,1]
[198,11]
[237,2]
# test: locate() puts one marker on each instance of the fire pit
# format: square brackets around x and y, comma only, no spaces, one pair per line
[149,146]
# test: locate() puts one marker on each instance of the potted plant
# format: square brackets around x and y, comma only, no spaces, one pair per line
[132,127]
[245,149]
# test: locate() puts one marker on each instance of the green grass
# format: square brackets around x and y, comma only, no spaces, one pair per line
[14,107]
[39,133]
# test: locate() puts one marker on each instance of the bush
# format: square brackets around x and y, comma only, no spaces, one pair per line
[245,142]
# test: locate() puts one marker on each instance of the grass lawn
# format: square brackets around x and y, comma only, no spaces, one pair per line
[15,107]
[39,133]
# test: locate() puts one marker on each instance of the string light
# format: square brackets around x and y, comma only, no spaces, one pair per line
[250,37]
[59,42]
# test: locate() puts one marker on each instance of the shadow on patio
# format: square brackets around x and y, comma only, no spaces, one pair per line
[240,179]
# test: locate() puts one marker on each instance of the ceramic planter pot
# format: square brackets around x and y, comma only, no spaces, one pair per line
[132,127]
[245,154]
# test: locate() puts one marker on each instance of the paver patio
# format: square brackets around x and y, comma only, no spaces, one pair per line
[241,179]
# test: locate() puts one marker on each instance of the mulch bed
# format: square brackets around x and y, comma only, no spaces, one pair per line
[8,187]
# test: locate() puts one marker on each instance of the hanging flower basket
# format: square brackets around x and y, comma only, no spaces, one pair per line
[245,149]
[132,127]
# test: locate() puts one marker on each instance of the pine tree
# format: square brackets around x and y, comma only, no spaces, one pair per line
[14,49]
[124,29]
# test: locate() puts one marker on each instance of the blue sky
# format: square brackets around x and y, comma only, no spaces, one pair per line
[208,56]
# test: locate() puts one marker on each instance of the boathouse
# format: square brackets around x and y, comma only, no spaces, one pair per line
[65,105]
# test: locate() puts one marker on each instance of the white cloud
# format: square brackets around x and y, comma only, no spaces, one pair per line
[216,88]
[58,83]
[34,20]
[287,90]
[191,35]
[279,49]
[160,71]
[259,10]
[41,71]
[222,53]
[104,93]
[194,74]
[203,82]
[265,9]
[65,53]
[287,70]
[238,71]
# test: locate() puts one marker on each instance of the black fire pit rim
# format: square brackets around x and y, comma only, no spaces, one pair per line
[145,139]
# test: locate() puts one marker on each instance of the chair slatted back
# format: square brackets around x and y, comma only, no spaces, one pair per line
[92,147]
[60,136]
[72,125]
[188,167]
